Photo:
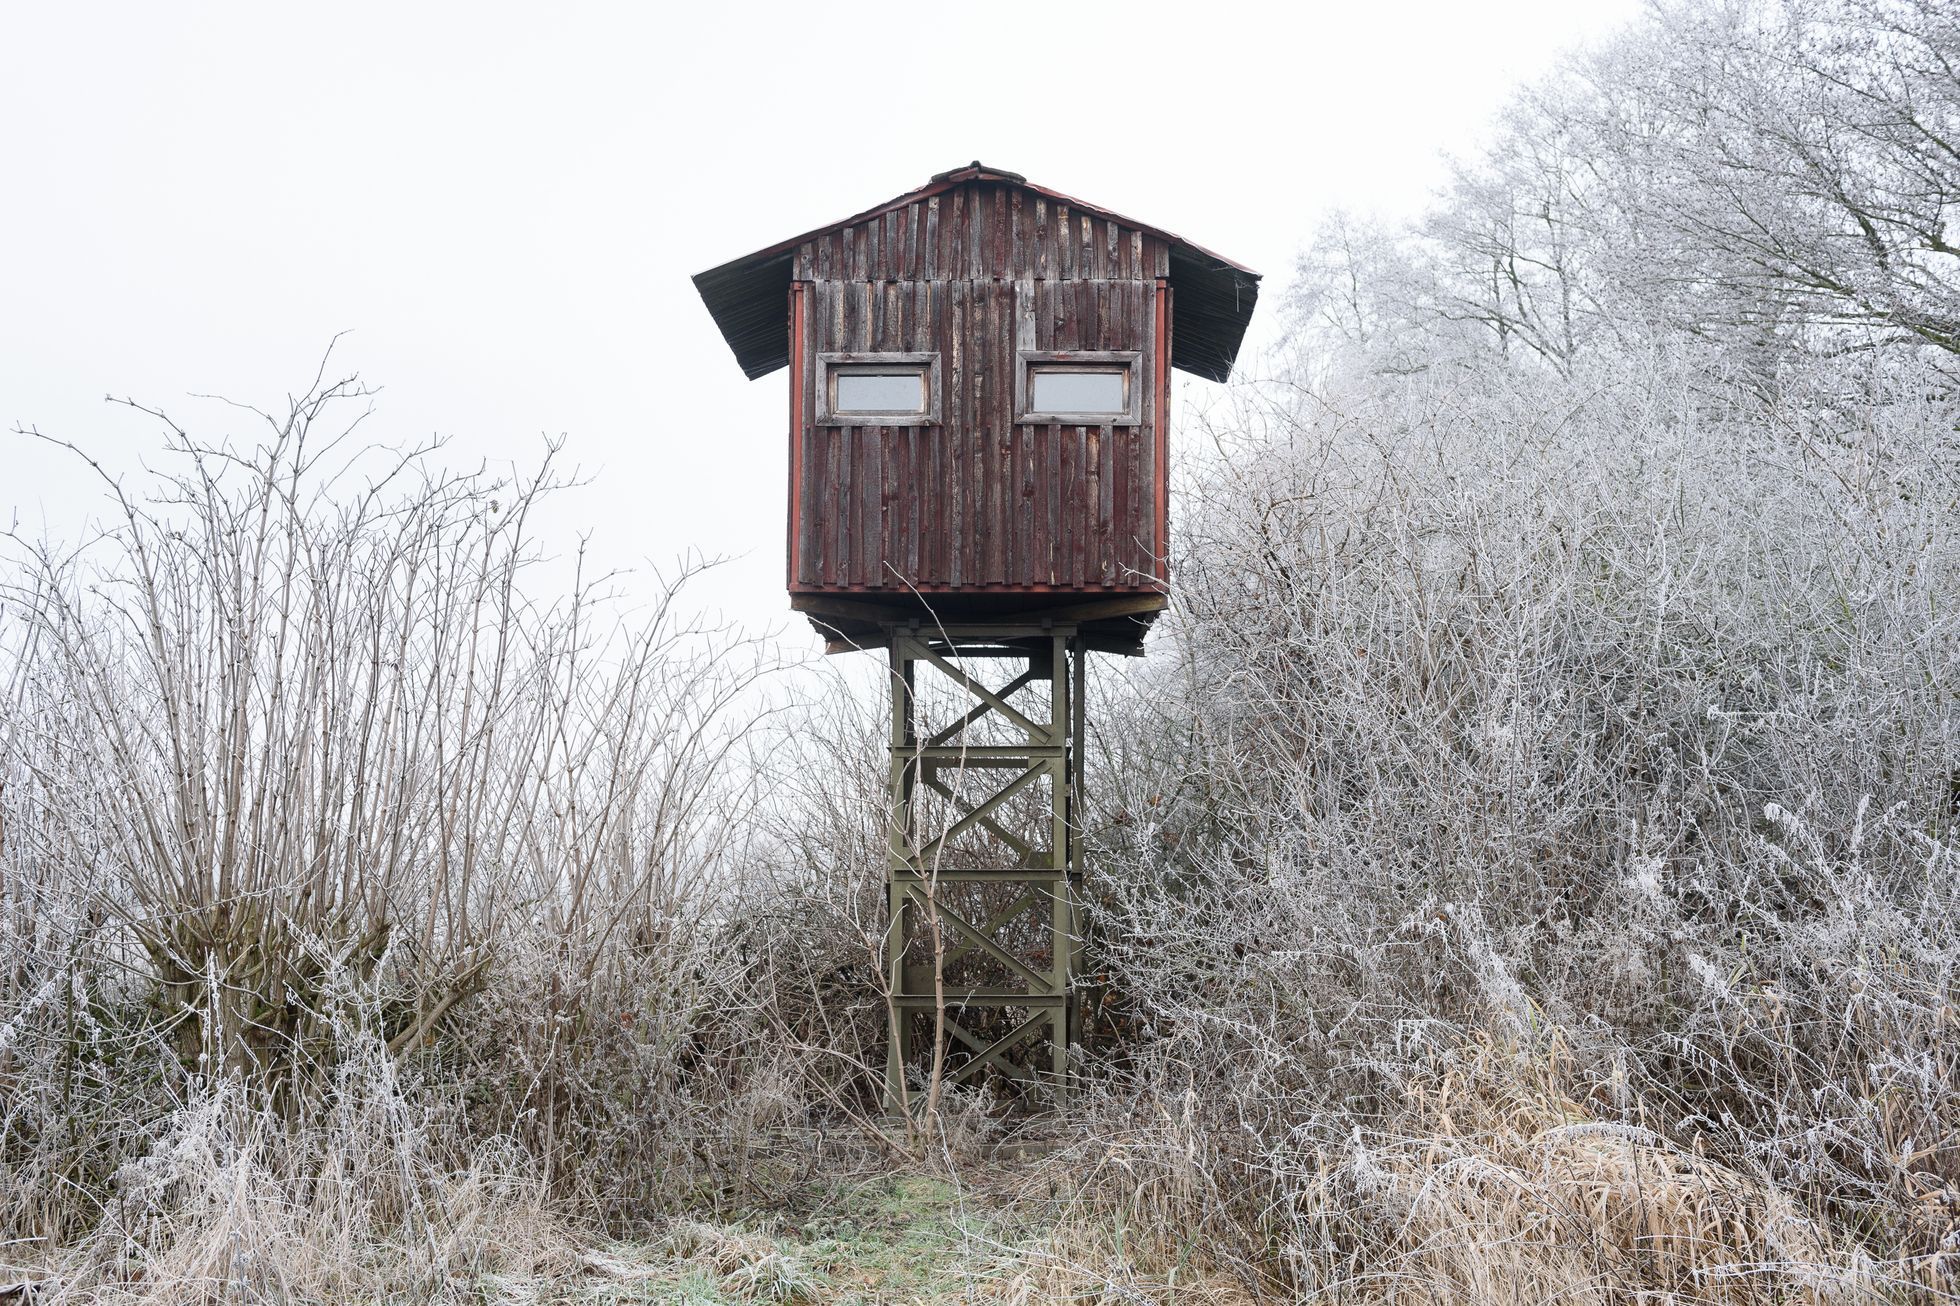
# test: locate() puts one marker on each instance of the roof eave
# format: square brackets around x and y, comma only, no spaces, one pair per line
[748,296]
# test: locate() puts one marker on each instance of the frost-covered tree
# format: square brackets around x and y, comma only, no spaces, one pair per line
[1761,178]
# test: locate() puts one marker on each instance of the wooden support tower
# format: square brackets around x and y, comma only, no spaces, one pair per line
[985,855]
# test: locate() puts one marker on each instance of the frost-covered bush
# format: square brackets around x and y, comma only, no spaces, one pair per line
[303,764]
[1568,664]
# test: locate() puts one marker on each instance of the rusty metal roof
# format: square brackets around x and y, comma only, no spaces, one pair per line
[1213,304]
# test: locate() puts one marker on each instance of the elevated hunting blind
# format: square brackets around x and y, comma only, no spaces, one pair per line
[979,389]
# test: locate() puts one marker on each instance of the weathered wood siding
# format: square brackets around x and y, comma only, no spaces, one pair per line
[978,503]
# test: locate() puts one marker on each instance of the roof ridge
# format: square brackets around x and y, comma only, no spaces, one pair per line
[977,170]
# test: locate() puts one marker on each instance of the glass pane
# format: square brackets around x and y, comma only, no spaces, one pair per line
[881,392]
[1057,391]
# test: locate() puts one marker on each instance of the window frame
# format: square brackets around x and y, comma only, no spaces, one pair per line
[1079,360]
[830,365]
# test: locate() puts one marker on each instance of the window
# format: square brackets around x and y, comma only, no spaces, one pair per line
[877,389]
[1083,389]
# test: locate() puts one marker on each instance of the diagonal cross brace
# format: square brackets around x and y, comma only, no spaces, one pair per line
[979,710]
[1014,841]
[977,815]
[1037,733]
[1039,985]
[994,1054]
[998,919]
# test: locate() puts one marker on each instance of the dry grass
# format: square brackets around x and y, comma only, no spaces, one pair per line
[1489,1186]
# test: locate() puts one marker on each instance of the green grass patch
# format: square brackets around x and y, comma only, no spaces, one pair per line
[896,1238]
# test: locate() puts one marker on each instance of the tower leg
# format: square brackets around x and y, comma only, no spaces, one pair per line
[901,778]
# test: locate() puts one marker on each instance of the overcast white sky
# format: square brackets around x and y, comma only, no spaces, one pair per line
[504,203]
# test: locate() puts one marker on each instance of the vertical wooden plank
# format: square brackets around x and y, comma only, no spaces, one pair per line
[952,215]
[917,336]
[1033,526]
[1039,238]
[1064,244]
[1069,526]
[1006,430]
[816,517]
[993,546]
[1107,565]
[925,515]
[1079,470]
[1110,481]
[1127,459]
[837,569]
[869,482]
[814,507]
[946,520]
[985,351]
[793,553]
[1001,255]
[1084,566]
[850,507]
[1051,514]
[981,459]
[977,232]
[978,457]
[932,238]
[890,545]
[1017,248]
[872,444]
[1135,499]
[1160,446]
[964,462]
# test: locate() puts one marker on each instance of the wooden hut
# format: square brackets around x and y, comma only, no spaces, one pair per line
[979,378]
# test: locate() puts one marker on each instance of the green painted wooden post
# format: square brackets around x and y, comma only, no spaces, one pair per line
[900,838]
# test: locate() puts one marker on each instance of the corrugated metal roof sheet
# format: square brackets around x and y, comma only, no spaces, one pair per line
[748,297]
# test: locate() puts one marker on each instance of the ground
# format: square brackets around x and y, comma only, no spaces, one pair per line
[896,1238]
